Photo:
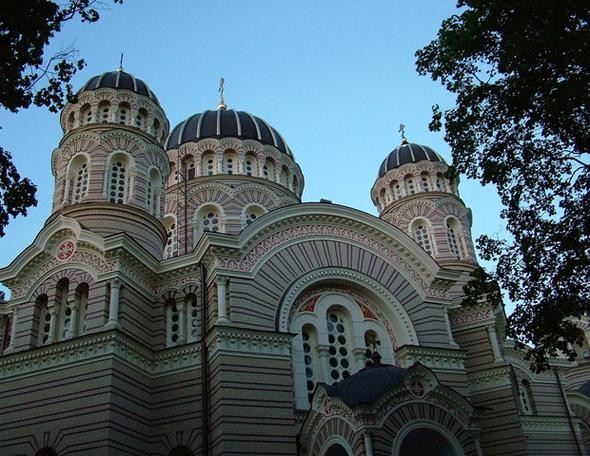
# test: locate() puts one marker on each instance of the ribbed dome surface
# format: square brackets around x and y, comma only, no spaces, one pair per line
[226,123]
[367,385]
[120,80]
[408,153]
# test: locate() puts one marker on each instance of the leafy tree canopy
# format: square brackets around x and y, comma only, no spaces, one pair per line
[27,77]
[520,71]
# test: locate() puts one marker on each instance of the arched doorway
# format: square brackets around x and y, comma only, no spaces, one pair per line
[426,442]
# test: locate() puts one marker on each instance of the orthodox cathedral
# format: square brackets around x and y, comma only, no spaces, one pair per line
[181,300]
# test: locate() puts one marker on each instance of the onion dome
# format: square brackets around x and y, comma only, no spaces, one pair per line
[367,385]
[408,153]
[119,79]
[226,123]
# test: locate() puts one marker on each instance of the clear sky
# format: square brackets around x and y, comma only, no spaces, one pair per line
[335,77]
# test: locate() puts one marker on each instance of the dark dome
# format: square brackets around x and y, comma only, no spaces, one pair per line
[367,385]
[120,80]
[226,123]
[408,153]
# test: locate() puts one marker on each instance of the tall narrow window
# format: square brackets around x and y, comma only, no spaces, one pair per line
[526,396]
[173,317]
[229,163]
[425,182]
[284,176]
[397,189]
[422,236]
[104,111]
[171,248]
[157,129]
[118,183]
[410,184]
[310,358]
[440,184]
[141,118]
[250,165]
[123,113]
[295,185]
[208,164]
[8,328]
[189,167]
[79,178]
[268,170]
[338,343]
[192,320]
[85,115]
[452,240]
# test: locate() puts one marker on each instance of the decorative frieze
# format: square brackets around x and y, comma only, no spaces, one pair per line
[93,348]
[433,358]
[489,380]
[545,425]
[228,341]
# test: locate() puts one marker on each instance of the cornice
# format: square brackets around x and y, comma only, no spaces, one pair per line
[534,424]
[432,357]
[489,380]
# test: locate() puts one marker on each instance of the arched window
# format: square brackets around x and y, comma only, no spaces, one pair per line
[79,175]
[192,318]
[85,115]
[174,177]
[251,165]
[71,121]
[189,167]
[284,176]
[253,212]
[397,189]
[229,163]
[421,235]
[309,336]
[526,397]
[295,185]
[141,118]
[123,113]
[44,319]
[47,451]
[104,111]
[372,342]
[154,192]
[118,178]
[410,184]
[268,170]
[173,318]
[208,164]
[339,334]
[171,248]
[453,240]
[157,129]
[209,218]
[382,199]
[425,182]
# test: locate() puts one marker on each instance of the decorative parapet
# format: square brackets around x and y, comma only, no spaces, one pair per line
[433,358]
[236,341]
[489,380]
[107,345]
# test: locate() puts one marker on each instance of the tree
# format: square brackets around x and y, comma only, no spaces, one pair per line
[520,71]
[26,78]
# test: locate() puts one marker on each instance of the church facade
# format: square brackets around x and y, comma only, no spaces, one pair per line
[181,300]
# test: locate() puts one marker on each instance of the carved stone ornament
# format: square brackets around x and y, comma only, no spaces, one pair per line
[65,250]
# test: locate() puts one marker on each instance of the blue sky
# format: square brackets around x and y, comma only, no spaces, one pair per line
[336,78]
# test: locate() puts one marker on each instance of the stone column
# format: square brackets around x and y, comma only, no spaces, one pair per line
[368,443]
[491,330]
[323,352]
[52,324]
[113,321]
[222,301]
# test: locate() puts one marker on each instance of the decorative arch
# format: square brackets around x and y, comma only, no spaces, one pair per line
[446,445]
[78,178]
[118,178]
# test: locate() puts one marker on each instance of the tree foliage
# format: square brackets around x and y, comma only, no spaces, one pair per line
[520,71]
[28,78]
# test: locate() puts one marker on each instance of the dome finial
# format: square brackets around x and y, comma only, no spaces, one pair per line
[402,130]
[221,104]
[120,63]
